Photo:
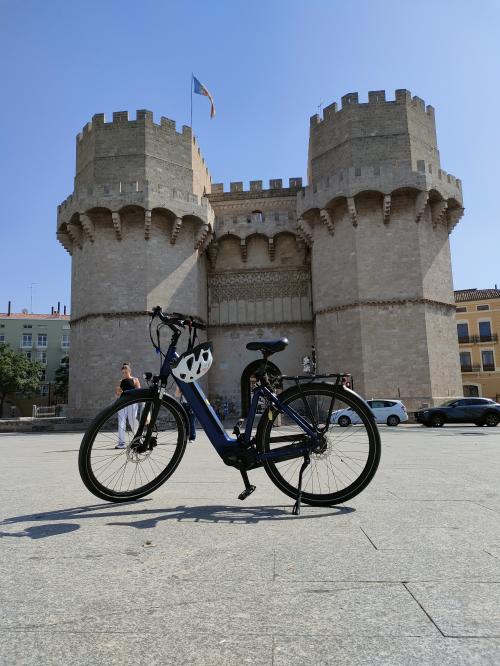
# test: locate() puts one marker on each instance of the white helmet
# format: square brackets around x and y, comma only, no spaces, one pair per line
[193,364]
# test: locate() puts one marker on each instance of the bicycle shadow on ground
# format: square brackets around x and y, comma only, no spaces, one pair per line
[149,518]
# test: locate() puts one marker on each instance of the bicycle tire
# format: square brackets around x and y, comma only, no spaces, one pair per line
[373,445]
[88,473]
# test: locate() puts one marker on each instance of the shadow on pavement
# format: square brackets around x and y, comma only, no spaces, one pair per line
[43,531]
[147,518]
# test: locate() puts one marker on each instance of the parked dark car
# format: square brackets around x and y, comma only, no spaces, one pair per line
[481,411]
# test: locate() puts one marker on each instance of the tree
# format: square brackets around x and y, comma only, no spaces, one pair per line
[61,378]
[17,373]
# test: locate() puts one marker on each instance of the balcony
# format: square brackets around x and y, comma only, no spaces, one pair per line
[470,368]
[474,339]
[488,367]
[491,337]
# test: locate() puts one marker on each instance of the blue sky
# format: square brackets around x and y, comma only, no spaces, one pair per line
[269,64]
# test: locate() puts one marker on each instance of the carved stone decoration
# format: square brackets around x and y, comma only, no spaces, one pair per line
[327,218]
[65,240]
[147,224]
[117,224]
[175,230]
[75,233]
[263,284]
[243,249]
[386,208]
[438,210]
[87,226]
[206,242]
[305,231]
[202,236]
[271,248]
[420,205]
[353,213]
[212,252]
[453,215]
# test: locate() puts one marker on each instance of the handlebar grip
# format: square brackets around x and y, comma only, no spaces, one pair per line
[177,318]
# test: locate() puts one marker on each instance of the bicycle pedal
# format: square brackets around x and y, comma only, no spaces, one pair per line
[248,491]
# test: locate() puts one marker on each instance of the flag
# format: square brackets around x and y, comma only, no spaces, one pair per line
[200,89]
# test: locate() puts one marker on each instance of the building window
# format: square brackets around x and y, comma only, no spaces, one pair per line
[41,340]
[235,219]
[483,307]
[465,361]
[488,360]
[484,331]
[257,216]
[42,374]
[2,339]
[65,341]
[66,327]
[27,340]
[44,389]
[41,356]
[29,355]
[471,391]
[27,326]
[276,217]
[463,332]
[461,309]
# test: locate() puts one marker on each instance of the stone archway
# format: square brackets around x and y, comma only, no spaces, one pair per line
[248,382]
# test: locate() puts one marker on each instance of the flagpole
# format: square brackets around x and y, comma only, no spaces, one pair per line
[191,102]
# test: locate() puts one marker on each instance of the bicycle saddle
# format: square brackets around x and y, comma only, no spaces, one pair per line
[268,346]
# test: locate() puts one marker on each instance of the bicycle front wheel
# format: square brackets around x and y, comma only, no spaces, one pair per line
[117,465]
[349,452]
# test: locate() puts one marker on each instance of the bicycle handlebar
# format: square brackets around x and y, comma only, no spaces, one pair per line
[177,319]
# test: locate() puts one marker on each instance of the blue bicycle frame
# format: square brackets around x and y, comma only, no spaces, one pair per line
[213,427]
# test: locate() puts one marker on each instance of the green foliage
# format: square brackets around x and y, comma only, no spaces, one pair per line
[17,373]
[61,378]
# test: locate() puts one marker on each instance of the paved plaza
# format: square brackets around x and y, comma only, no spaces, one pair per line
[408,573]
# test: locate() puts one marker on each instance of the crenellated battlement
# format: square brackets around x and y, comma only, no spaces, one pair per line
[121,119]
[275,184]
[376,98]
[139,149]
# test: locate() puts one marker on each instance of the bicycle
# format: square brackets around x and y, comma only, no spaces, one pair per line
[296,431]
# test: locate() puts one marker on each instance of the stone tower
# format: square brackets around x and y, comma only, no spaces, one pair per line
[136,225]
[377,214]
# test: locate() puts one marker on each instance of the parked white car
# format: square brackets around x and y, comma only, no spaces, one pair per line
[391,412]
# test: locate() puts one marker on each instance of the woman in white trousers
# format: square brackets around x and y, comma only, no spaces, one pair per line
[127,413]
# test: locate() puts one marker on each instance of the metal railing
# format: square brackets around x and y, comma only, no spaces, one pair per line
[43,412]
[470,368]
[474,339]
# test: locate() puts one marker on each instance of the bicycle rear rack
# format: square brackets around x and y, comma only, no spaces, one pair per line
[338,375]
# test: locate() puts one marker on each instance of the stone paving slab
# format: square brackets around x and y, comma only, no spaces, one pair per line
[461,609]
[381,652]
[408,578]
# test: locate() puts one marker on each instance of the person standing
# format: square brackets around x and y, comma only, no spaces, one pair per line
[128,413]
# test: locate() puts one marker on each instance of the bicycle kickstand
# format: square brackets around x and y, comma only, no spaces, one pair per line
[248,487]
[296,506]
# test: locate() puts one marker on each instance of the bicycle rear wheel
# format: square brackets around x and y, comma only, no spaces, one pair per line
[121,475]
[348,457]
